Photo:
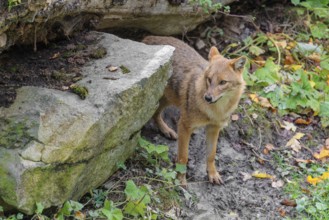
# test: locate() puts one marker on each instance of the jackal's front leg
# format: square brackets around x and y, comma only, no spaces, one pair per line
[212,133]
[184,135]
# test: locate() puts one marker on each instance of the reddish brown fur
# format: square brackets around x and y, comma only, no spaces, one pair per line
[194,81]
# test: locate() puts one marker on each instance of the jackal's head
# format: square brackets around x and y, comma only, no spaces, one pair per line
[223,76]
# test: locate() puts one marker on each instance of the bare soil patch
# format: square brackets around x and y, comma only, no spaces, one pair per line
[55,66]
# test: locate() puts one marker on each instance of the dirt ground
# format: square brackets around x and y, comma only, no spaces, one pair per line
[56,65]
[241,144]
[240,152]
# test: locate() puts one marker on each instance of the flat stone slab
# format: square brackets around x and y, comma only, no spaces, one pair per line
[54,146]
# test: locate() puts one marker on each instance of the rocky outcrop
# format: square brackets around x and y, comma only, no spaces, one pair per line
[55,146]
[35,21]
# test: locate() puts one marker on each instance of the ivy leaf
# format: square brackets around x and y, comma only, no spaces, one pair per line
[40,208]
[66,209]
[76,206]
[295,2]
[115,214]
[321,206]
[269,74]
[135,208]
[256,50]
[319,30]
[180,168]
[324,109]
[132,191]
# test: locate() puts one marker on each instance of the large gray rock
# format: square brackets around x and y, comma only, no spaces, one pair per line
[41,20]
[55,146]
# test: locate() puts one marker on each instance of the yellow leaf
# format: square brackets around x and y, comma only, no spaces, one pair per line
[325,176]
[282,44]
[264,102]
[312,83]
[312,180]
[293,67]
[315,57]
[294,144]
[324,153]
[254,97]
[288,126]
[257,174]
[298,135]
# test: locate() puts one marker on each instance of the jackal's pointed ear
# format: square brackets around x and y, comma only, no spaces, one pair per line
[238,63]
[213,52]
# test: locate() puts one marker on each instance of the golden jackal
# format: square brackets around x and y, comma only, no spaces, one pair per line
[206,92]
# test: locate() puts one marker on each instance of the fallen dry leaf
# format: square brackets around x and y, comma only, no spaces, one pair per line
[277,184]
[316,180]
[301,121]
[260,62]
[282,212]
[288,126]
[254,97]
[298,160]
[293,67]
[268,148]
[79,215]
[315,57]
[294,143]
[324,153]
[265,103]
[288,202]
[266,151]
[282,44]
[245,176]
[56,55]
[312,180]
[235,117]
[289,60]
[260,175]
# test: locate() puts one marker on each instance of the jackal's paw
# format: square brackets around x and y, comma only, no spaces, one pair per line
[215,178]
[182,179]
[171,134]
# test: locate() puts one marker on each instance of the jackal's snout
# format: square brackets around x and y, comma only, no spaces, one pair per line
[208,98]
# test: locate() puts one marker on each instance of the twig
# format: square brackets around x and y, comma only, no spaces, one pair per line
[277,48]
[245,111]
[260,138]
[35,39]
[308,149]
[253,150]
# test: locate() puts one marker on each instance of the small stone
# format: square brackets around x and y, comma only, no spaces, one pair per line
[3,40]
[200,44]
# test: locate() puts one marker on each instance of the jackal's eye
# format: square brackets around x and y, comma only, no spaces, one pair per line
[222,82]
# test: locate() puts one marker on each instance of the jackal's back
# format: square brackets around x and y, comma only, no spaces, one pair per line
[187,66]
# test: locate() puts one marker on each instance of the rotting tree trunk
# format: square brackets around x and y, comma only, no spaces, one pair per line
[43,20]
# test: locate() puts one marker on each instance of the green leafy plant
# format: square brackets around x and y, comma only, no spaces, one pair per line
[311,200]
[111,212]
[318,16]
[69,209]
[12,3]
[208,6]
